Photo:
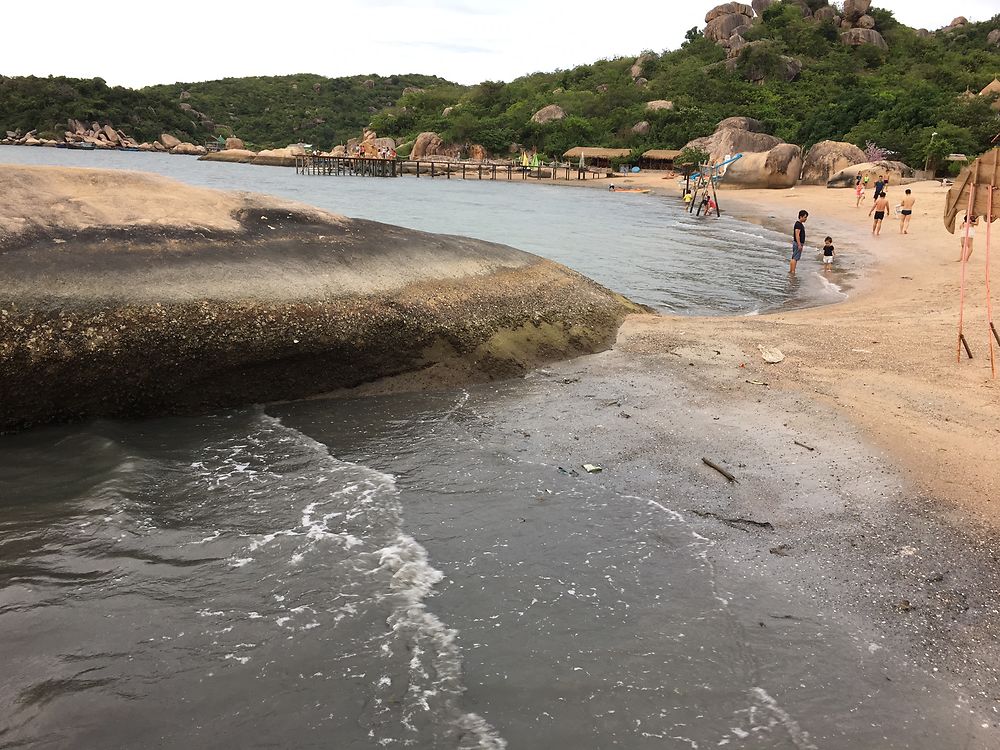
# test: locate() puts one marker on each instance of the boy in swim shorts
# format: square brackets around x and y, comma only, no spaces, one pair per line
[906,212]
[879,208]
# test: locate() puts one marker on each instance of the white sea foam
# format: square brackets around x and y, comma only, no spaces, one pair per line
[363,498]
[799,737]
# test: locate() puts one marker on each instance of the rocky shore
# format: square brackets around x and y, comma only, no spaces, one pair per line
[128,295]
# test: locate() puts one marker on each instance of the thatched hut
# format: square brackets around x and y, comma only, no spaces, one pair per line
[659,158]
[595,157]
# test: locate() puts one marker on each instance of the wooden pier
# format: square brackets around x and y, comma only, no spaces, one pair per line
[313,164]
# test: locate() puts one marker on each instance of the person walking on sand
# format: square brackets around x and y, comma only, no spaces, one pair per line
[798,240]
[859,192]
[879,208]
[969,224]
[828,253]
[906,211]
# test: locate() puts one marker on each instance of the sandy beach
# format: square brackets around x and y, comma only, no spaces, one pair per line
[885,357]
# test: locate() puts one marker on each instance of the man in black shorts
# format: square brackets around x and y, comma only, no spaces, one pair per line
[879,209]
[906,212]
[798,239]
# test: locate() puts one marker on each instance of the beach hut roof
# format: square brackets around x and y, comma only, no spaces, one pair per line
[596,153]
[661,153]
[991,88]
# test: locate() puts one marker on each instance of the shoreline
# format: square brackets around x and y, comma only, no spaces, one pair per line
[890,343]
[888,523]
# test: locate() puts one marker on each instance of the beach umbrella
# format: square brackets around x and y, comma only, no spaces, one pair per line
[974,191]
[984,174]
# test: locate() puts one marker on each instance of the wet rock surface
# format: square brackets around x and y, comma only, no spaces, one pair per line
[115,311]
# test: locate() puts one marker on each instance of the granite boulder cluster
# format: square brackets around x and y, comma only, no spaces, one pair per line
[728,23]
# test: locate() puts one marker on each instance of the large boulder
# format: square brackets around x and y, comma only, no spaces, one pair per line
[128,294]
[426,144]
[720,28]
[827,158]
[896,170]
[735,135]
[854,9]
[740,123]
[993,38]
[189,149]
[826,13]
[641,128]
[727,9]
[659,105]
[760,6]
[636,70]
[865,22]
[169,141]
[550,113]
[276,157]
[477,152]
[857,37]
[776,168]
[234,143]
[235,155]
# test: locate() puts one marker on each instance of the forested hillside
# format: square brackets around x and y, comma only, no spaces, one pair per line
[795,74]
[895,98]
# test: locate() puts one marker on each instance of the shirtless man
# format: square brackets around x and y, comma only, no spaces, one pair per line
[879,209]
[907,212]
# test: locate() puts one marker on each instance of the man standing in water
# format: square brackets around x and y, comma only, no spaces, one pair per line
[798,240]
[906,212]
[879,209]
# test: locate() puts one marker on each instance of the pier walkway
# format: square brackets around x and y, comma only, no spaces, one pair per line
[312,164]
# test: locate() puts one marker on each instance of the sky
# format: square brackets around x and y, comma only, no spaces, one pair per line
[466,41]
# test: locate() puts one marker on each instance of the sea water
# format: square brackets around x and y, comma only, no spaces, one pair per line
[642,245]
[392,571]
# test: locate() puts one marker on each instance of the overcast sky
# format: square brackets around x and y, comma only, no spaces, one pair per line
[468,41]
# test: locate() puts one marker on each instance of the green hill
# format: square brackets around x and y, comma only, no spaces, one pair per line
[896,98]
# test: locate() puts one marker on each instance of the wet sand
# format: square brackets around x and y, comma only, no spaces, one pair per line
[889,525]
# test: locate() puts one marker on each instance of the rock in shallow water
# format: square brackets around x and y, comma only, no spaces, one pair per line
[125,294]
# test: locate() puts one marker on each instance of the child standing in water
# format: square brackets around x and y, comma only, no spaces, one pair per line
[859,192]
[828,253]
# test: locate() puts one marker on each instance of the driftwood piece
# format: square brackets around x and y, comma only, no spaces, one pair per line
[726,474]
[744,524]
[803,445]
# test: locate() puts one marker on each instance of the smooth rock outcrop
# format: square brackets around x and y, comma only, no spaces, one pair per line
[127,294]
[857,37]
[854,9]
[640,62]
[659,105]
[169,141]
[896,170]
[735,135]
[235,155]
[426,144]
[278,157]
[234,143]
[777,168]
[827,158]
[189,149]
[551,113]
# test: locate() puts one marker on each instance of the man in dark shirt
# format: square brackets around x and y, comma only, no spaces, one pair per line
[879,184]
[798,239]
